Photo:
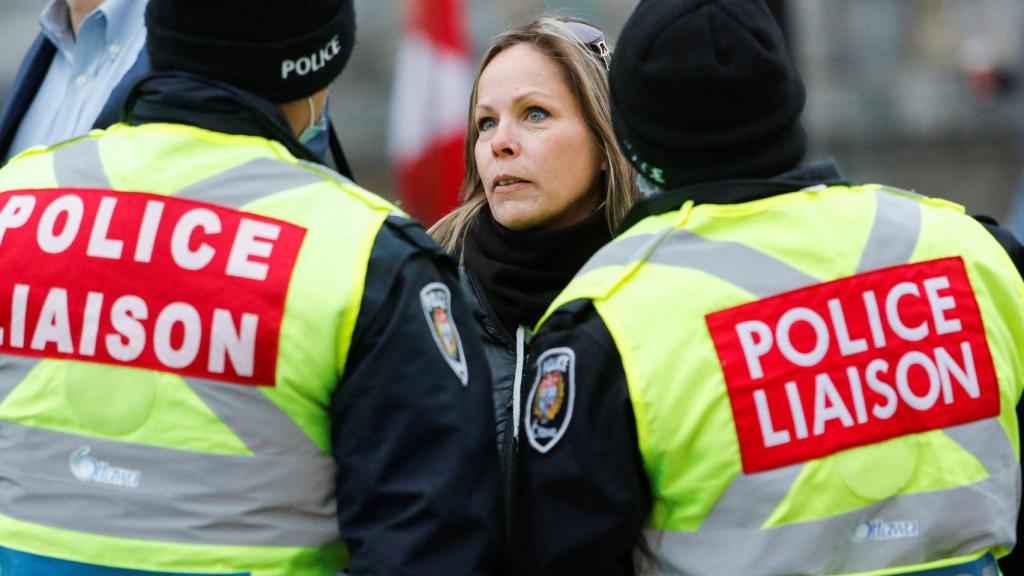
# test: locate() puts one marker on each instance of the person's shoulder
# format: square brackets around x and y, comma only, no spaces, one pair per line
[401,237]
[348,187]
[1006,239]
[404,258]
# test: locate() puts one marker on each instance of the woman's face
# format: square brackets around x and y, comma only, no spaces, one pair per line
[539,162]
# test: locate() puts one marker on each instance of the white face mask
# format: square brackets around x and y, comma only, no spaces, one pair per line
[317,126]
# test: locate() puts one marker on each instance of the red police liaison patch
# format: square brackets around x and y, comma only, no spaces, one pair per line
[855,361]
[143,280]
[436,300]
[550,402]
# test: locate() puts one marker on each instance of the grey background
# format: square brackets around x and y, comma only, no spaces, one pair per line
[887,93]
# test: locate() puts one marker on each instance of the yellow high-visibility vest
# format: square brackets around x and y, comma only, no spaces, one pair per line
[179,309]
[823,382]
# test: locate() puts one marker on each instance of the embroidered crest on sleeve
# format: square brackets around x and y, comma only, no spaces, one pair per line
[436,300]
[549,405]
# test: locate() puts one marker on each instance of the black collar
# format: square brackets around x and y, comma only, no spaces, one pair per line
[734,191]
[182,98]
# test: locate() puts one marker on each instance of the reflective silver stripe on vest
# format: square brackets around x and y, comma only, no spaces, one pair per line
[738,264]
[282,495]
[257,421]
[736,509]
[624,251]
[78,165]
[326,172]
[247,182]
[829,546]
[14,369]
[180,496]
[732,538]
[892,239]
[729,261]
[887,243]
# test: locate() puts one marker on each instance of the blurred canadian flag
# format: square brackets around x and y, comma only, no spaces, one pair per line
[429,108]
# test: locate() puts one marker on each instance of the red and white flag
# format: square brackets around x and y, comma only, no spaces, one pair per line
[429,104]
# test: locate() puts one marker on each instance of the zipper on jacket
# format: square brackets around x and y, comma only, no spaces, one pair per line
[512,440]
[517,384]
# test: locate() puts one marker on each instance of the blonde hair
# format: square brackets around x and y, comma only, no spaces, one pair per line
[587,79]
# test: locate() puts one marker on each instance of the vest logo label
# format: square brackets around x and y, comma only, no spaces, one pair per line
[143,280]
[436,300]
[88,469]
[877,530]
[855,361]
[312,62]
[550,402]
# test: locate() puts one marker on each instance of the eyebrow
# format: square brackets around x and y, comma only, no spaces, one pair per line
[524,96]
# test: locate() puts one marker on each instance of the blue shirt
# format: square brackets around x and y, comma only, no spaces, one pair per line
[84,71]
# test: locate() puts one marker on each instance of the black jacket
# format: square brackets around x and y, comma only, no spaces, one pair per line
[585,501]
[506,359]
[418,478]
[511,277]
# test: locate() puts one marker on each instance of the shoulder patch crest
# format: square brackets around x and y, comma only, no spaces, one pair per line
[436,300]
[550,402]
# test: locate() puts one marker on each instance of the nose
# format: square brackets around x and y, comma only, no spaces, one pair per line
[504,143]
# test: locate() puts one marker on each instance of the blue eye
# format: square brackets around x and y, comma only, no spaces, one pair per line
[485,124]
[536,115]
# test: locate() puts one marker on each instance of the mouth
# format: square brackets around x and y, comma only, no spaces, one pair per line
[505,182]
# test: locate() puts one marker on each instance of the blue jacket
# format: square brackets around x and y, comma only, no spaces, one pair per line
[30,77]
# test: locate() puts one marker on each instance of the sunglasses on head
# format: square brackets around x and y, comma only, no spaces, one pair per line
[594,39]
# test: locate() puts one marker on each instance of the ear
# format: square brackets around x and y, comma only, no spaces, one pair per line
[604,166]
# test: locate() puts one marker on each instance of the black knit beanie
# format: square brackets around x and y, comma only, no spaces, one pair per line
[280,50]
[704,90]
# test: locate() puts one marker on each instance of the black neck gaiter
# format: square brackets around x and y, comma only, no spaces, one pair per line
[521,272]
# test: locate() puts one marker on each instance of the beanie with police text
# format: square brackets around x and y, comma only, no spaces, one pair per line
[705,90]
[280,50]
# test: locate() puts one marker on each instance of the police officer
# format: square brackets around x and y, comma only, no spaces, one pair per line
[771,371]
[218,357]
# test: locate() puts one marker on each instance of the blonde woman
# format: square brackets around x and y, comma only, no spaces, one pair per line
[545,187]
